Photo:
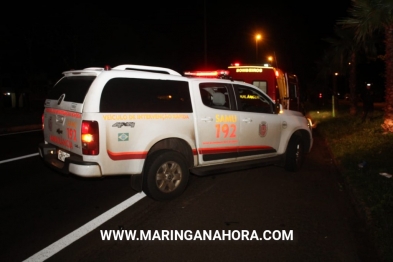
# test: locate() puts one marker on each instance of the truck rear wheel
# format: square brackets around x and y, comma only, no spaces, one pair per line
[166,175]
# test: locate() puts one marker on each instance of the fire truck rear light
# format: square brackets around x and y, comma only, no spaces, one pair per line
[90,138]
[213,73]
[43,120]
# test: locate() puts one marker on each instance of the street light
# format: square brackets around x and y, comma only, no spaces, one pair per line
[270,59]
[257,37]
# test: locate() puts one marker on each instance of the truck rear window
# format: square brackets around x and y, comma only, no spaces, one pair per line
[74,88]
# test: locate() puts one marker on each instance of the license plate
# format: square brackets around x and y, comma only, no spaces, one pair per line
[62,155]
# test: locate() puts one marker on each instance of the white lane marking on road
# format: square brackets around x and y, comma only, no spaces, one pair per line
[17,158]
[84,230]
[16,133]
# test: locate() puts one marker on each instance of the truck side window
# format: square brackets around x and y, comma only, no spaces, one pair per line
[292,90]
[145,96]
[215,95]
[250,100]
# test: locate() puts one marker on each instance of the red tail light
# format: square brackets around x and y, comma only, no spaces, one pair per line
[90,138]
[43,120]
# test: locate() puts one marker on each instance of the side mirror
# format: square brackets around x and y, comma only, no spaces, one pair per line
[277,108]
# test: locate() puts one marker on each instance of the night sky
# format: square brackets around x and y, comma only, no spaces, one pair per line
[48,39]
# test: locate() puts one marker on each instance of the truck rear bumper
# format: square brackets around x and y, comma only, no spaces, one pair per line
[73,164]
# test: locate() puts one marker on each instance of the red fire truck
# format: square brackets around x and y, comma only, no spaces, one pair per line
[273,81]
[280,86]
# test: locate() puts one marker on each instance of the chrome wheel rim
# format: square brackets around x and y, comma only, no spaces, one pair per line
[168,177]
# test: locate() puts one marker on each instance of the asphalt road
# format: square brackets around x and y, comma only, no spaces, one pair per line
[40,206]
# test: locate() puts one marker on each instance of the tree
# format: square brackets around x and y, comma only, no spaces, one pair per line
[342,53]
[367,17]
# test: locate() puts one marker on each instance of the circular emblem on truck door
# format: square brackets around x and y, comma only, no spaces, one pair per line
[262,129]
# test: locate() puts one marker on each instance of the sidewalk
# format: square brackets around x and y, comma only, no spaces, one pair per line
[19,120]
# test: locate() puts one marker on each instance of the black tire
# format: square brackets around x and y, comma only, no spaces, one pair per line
[166,175]
[295,154]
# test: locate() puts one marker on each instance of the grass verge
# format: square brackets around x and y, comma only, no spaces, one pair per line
[352,143]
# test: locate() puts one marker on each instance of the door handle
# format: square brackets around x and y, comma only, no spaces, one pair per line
[207,119]
[247,120]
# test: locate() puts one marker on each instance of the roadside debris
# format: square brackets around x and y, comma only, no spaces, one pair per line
[386,175]
[362,164]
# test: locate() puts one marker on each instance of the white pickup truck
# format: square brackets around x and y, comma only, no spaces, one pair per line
[157,126]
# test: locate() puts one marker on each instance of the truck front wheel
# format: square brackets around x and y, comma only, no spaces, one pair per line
[295,154]
[166,175]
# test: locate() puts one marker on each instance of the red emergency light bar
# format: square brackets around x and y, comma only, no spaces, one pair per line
[214,73]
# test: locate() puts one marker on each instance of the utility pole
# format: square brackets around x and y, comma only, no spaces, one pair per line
[205,26]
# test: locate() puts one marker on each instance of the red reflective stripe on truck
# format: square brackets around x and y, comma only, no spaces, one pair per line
[63,112]
[133,155]
[127,155]
[60,141]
